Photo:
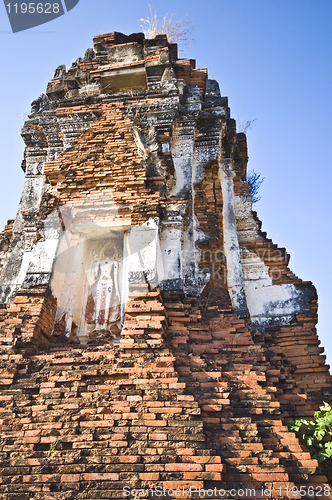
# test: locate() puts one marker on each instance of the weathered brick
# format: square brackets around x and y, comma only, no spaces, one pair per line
[191,396]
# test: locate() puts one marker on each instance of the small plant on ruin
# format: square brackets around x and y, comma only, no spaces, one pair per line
[176,31]
[54,444]
[316,434]
[254,181]
[244,126]
[25,443]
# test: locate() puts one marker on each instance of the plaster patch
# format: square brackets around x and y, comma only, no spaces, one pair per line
[267,302]
[43,255]
[275,303]
[143,248]
[231,244]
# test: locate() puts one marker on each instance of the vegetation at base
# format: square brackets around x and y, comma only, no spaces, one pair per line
[316,435]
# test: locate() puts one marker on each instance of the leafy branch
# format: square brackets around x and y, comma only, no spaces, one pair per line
[254,181]
[316,434]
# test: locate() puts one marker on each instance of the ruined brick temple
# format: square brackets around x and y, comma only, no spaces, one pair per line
[150,334]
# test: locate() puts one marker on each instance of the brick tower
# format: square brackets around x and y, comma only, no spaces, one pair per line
[153,341]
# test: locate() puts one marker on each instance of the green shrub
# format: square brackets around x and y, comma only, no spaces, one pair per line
[316,435]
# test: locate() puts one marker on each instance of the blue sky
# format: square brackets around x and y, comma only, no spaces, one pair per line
[272,58]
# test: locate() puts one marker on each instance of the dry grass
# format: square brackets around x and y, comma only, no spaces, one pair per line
[176,31]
